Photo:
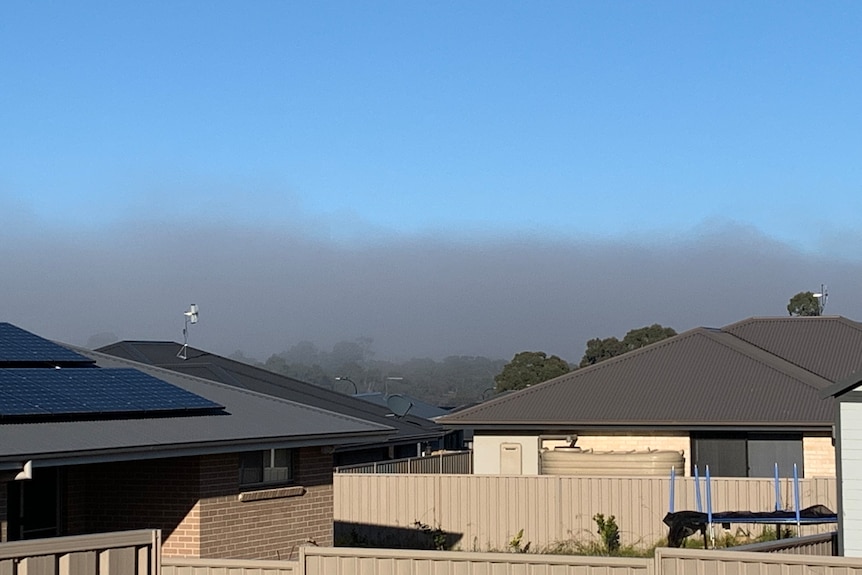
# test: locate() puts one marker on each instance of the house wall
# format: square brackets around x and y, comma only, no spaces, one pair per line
[152,494]
[487,449]
[267,523]
[850,436]
[818,451]
[198,505]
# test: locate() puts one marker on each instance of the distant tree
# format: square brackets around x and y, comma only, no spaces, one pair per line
[804,304]
[637,338]
[601,349]
[529,368]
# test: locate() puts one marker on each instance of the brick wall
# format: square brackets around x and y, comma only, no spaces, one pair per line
[273,526]
[152,494]
[819,454]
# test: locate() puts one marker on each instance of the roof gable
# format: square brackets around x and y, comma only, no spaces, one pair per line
[701,378]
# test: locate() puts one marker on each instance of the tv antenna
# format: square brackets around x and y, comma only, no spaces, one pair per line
[822,296]
[191,317]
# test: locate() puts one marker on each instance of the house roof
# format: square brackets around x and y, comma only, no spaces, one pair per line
[760,372]
[418,407]
[408,429]
[249,421]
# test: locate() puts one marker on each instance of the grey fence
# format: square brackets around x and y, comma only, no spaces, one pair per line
[451,462]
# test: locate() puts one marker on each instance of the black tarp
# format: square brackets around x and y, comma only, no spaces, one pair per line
[685,523]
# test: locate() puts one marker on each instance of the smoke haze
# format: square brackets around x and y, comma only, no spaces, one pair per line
[263,290]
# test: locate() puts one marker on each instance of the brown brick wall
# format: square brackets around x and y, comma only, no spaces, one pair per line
[267,528]
[153,494]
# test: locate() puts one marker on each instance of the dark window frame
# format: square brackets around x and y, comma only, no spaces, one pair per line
[267,467]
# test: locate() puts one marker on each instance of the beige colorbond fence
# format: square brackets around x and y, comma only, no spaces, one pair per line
[190,566]
[119,553]
[352,561]
[484,512]
[443,462]
[340,561]
[822,544]
[693,562]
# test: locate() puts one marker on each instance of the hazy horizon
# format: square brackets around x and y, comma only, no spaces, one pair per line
[444,178]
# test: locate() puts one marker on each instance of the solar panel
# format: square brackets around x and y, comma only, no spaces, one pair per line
[21,346]
[92,391]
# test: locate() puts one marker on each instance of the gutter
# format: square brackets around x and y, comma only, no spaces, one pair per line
[140,453]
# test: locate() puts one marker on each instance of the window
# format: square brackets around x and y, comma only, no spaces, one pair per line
[749,454]
[267,467]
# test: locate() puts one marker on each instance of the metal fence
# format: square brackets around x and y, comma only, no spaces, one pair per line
[120,553]
[484,512]
[452,462]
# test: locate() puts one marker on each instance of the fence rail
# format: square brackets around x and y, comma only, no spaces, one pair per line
[193,566]
[452,462]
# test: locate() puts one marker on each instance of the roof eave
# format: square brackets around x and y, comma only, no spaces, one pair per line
[83,457]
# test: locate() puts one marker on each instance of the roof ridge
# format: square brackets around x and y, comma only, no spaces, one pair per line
[741,344]
[218,384]
[580,370]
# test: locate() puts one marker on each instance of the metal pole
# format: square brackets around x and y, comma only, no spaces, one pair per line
[796,497]
[672,481]
[709,508]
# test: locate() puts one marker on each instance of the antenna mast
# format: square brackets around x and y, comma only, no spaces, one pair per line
[191,316]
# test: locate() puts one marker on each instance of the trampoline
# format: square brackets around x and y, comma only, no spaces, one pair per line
[682,524]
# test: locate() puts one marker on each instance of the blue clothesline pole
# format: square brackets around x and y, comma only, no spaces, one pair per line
[709,508]
[697,501]
[777,491]
[796,497]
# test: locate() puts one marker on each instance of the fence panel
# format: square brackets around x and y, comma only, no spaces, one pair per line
[343,561]
[692,561]
[119,553]
[484,512]
[443,462]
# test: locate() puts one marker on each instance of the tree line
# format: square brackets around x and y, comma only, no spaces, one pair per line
[459,380]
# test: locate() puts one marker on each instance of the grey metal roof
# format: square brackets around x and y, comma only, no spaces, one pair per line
[703,378]
[418,407]
[830,346]
[252,421]
[408,429]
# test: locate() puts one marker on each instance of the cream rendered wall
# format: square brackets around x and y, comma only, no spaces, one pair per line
[850,487]
[486,453]
[819,453]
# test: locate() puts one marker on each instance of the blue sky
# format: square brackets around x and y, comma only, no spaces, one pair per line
[394,122]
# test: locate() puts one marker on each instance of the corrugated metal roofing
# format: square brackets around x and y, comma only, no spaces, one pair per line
[830,346]
[252,421]
[409,429]
[703,378]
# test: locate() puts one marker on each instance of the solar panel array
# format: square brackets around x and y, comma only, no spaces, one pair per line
[20,346]
[49,393]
